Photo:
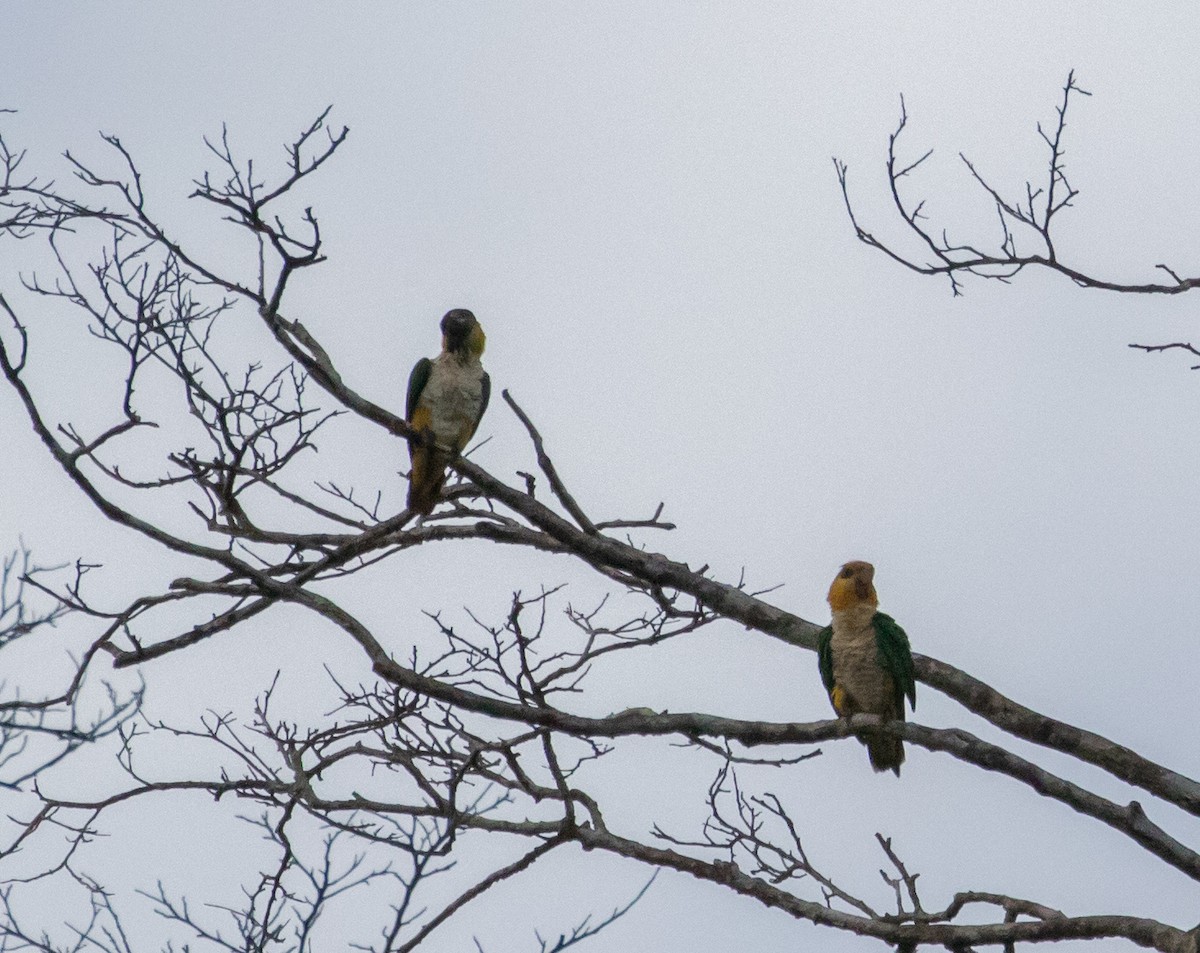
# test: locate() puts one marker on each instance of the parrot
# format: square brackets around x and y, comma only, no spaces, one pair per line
[865,660]
[447,396]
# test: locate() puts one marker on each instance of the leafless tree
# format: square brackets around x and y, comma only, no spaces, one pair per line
[1024,231]
[39,732]
[482,742]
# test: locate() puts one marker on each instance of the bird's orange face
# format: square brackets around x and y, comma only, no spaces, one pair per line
[853,586]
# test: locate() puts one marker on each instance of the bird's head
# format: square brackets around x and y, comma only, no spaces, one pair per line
[461,333]
[853,587]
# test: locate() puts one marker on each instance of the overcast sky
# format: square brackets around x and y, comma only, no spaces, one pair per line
[637,200]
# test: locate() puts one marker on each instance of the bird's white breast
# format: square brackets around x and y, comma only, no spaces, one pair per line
[856,660]
[453,396]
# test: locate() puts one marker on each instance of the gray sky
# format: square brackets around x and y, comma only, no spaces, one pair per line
[638,203]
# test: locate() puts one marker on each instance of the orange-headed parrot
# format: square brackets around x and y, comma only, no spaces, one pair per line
[446,400]
[865,660]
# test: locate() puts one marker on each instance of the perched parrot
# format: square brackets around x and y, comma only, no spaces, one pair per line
[865,660]
[446,400]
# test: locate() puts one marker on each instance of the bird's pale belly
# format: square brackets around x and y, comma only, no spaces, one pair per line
[453,401]
[857,671]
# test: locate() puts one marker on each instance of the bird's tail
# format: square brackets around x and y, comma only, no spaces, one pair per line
[425,481]
[886,753]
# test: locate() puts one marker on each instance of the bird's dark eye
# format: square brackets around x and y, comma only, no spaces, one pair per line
[847,573]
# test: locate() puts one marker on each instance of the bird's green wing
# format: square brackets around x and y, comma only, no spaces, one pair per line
[486,396]
[416,383]
[895,656]
[825,656]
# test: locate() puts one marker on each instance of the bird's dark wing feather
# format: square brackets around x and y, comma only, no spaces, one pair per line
[895,655]
[825,656]
[485,397]
[416,383]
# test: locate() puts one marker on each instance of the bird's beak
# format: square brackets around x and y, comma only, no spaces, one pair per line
[862,582]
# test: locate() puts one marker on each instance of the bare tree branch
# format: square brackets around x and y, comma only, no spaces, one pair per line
[483,739]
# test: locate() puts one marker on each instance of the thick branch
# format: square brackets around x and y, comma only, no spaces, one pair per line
[1147,933]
